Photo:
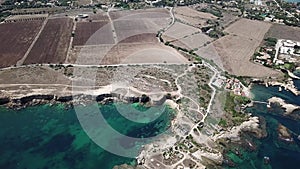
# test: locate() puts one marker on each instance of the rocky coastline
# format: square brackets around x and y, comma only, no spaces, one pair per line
[83,99]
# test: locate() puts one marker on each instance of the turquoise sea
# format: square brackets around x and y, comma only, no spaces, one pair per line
[48,137]
[292,0]
[282,155]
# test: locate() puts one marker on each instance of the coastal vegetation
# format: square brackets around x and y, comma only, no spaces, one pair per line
[233,108]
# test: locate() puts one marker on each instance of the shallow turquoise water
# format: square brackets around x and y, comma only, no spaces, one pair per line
[47,137]
[292,0]
[282,154]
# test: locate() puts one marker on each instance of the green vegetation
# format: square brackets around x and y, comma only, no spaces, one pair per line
[289,66]
[123,5]
[271,41]
[215,11]
[232,106]
[223,123]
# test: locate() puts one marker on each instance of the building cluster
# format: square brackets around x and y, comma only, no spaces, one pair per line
[265,56]
[281,55]
[287,51]
[236,86]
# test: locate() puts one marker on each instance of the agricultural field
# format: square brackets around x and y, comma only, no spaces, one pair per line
[140,14]
[209,52]
[88,55]
[193,17]
[228,19]
[139,22]
[238,47]
[178,31]
[127,28]
[18,36]
[53,42]
[250,29]
[141,38]
[137,42]
[101,32]
[195,41]
[284,32]
[125,53]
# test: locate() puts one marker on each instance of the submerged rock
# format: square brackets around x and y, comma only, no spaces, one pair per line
[284,134]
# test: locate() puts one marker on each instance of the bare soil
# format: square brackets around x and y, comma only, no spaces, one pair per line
[85,30]
[192,17]
[284,32]
[238,47]
[52,45]
[15,40]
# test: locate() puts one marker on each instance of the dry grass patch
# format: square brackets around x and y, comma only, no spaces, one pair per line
[32,75]
[194,41]
[251,29]
[178,31]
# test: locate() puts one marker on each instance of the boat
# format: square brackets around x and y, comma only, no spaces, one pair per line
[266,159]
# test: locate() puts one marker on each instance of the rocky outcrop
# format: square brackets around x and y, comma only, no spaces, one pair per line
[101,97]
[27,99]
[4,100]
[64,98]
[284,133]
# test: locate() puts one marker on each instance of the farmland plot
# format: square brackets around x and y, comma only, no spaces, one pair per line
[193,17]
[284,32]
[140,14]
[238,47]
[128,28]
[53,43]
[15,40]
[101,32]
[178,31]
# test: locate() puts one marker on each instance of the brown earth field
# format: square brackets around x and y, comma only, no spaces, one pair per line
[284,32]
[238,47]
[128,28]
[18,36]
[141,38]
[101,32]
[52,44]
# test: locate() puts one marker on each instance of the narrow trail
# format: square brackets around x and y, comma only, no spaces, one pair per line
[179,91]
[112,25]
[71,41]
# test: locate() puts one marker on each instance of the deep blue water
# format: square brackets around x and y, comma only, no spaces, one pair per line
[48,137]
